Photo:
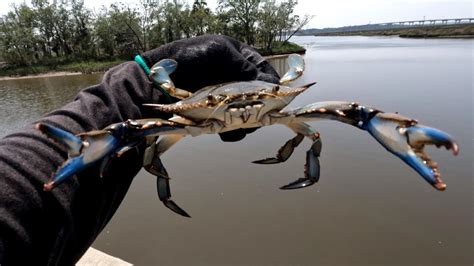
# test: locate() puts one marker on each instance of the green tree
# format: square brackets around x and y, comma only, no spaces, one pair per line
[268,23]
[19,43]
[118,32]
[274,21]
[242,15]
[202,18]
[81,37]
[52,32]
[297,24]
[104,35]
[54,27]
[148,9]
[176,21]
[221,24]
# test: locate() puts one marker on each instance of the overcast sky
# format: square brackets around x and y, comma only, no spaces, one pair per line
[335,13]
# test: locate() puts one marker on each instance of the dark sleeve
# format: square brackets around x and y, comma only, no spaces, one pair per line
[56,228]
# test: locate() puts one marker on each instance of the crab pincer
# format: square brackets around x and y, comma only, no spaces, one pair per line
[402,136]
[83,150]
[296,67]
[405,138]
[101,146]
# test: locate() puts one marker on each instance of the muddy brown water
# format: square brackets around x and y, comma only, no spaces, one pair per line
[368,208]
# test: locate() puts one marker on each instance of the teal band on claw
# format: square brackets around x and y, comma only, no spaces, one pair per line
[139,60]
[142,63]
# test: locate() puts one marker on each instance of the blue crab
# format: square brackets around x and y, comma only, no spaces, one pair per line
[250,104]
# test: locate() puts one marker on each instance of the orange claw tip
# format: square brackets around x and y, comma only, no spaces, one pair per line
[41,127]
[455,149]
[48,186]
[440,186]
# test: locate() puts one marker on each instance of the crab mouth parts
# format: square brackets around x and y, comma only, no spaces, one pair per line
[245,105]
[243,112]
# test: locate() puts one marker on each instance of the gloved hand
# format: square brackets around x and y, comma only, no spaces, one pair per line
[57,227]
[213,59]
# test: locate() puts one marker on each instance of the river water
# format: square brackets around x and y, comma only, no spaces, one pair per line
[368,208]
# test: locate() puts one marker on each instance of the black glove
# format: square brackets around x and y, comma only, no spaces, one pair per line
[213,59]
[57,227]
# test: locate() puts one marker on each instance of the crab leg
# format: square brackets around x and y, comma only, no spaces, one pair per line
[153,164]
[400,135]
[284,152]
[163,186]
[164,192]
[312,168]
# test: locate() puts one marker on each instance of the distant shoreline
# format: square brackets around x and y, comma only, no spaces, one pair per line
[451,31]
[71,73]
[42,75]
[74,73]
[79,68]
[68,69]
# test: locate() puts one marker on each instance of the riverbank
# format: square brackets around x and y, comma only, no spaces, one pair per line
[78,68]
[66,69]
[448,31]
[282,48]
[42,75]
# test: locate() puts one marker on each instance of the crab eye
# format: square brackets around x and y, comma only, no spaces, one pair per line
[213,99]
[275,89]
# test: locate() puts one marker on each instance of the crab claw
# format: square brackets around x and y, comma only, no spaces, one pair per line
[406,139]
[83,150]
[296,67]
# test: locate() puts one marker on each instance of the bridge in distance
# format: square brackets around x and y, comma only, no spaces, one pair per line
[394,25]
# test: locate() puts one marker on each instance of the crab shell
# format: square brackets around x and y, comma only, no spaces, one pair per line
[236,104]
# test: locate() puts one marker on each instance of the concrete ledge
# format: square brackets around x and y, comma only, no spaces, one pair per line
[94,257]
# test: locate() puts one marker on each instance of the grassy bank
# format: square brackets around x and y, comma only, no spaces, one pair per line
[101,66]
[82,67]
[282,48]
[449,31]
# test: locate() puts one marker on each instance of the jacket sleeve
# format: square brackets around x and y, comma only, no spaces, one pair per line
[56,228]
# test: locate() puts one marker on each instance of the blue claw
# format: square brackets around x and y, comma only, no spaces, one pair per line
[296,65]
[419,166]
[169,65]
[406,139]
[83,151]
[160,72]
[420,134]
[69,168]
[73,143]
